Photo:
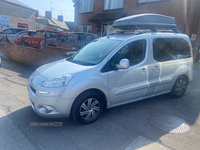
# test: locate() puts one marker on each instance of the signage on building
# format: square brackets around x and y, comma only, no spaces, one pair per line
[4,21]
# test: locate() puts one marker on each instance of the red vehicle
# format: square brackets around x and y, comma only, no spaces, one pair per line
[34,41]
[23,25]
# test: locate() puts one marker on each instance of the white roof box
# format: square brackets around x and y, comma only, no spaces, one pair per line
[144,21]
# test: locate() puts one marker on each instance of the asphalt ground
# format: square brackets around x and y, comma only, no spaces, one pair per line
[124,127]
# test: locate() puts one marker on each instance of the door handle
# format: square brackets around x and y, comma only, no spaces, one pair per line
[143,70]
[156,68]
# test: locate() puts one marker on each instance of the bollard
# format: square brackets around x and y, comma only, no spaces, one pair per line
[6,38]
[45,38]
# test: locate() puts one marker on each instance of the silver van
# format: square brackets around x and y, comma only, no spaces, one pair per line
[112,71]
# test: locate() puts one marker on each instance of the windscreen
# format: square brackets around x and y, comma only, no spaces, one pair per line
[95,52]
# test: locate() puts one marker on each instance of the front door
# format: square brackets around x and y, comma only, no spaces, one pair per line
[128,84]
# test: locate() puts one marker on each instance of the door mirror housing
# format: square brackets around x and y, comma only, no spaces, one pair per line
[123,64]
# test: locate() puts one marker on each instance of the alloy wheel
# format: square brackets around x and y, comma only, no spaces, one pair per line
[89,109]
[180,87]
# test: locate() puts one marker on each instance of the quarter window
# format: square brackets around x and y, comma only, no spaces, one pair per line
[163,49]
[113,4]
[85,6]
[182,48]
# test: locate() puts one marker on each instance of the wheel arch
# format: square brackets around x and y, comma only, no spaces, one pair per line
[92,90]
[184,75]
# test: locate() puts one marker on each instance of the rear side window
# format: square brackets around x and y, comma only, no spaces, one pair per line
[166,49]
[163,49]
[182,48]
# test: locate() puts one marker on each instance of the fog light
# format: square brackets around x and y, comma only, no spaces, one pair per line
[45,109]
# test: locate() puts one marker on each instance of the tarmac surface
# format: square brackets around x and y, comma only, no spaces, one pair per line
[126,127]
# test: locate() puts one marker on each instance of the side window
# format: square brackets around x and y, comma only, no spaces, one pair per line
[163,49]
[8,31]
[182,48]
[134,52]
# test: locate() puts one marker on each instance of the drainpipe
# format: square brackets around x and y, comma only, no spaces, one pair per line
[188,13]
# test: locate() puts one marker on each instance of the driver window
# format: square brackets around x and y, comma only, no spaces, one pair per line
[134,52]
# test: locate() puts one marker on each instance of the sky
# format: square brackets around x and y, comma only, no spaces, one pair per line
[60,7]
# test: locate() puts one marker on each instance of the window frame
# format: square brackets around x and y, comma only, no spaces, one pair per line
[174,44]
[152,1]
[109,1]
[108,68]
[81,6]
[176,47]
[88,28]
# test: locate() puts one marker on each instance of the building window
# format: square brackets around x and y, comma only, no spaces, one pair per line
[85,6]
[85,29]
[147,1]
[113,4]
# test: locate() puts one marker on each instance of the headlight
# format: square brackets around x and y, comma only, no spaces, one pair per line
[32,75]
[57,81]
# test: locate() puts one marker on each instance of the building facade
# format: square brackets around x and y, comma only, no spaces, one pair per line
[17,12]
[48,23]
[97,16]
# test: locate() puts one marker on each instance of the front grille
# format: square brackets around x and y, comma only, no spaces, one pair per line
[33,90]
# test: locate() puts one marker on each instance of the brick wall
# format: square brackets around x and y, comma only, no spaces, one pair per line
[18,14]
[194,21]
[175,8]
[81,19]
[32,56]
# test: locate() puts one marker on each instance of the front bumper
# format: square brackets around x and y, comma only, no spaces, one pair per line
[60,108]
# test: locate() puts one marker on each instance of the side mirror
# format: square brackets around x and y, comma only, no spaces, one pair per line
[123,64]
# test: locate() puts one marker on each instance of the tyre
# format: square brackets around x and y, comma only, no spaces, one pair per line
[179,87]
[87,107]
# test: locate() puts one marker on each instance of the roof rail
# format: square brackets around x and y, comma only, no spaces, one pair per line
[147,31]
[121,32]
